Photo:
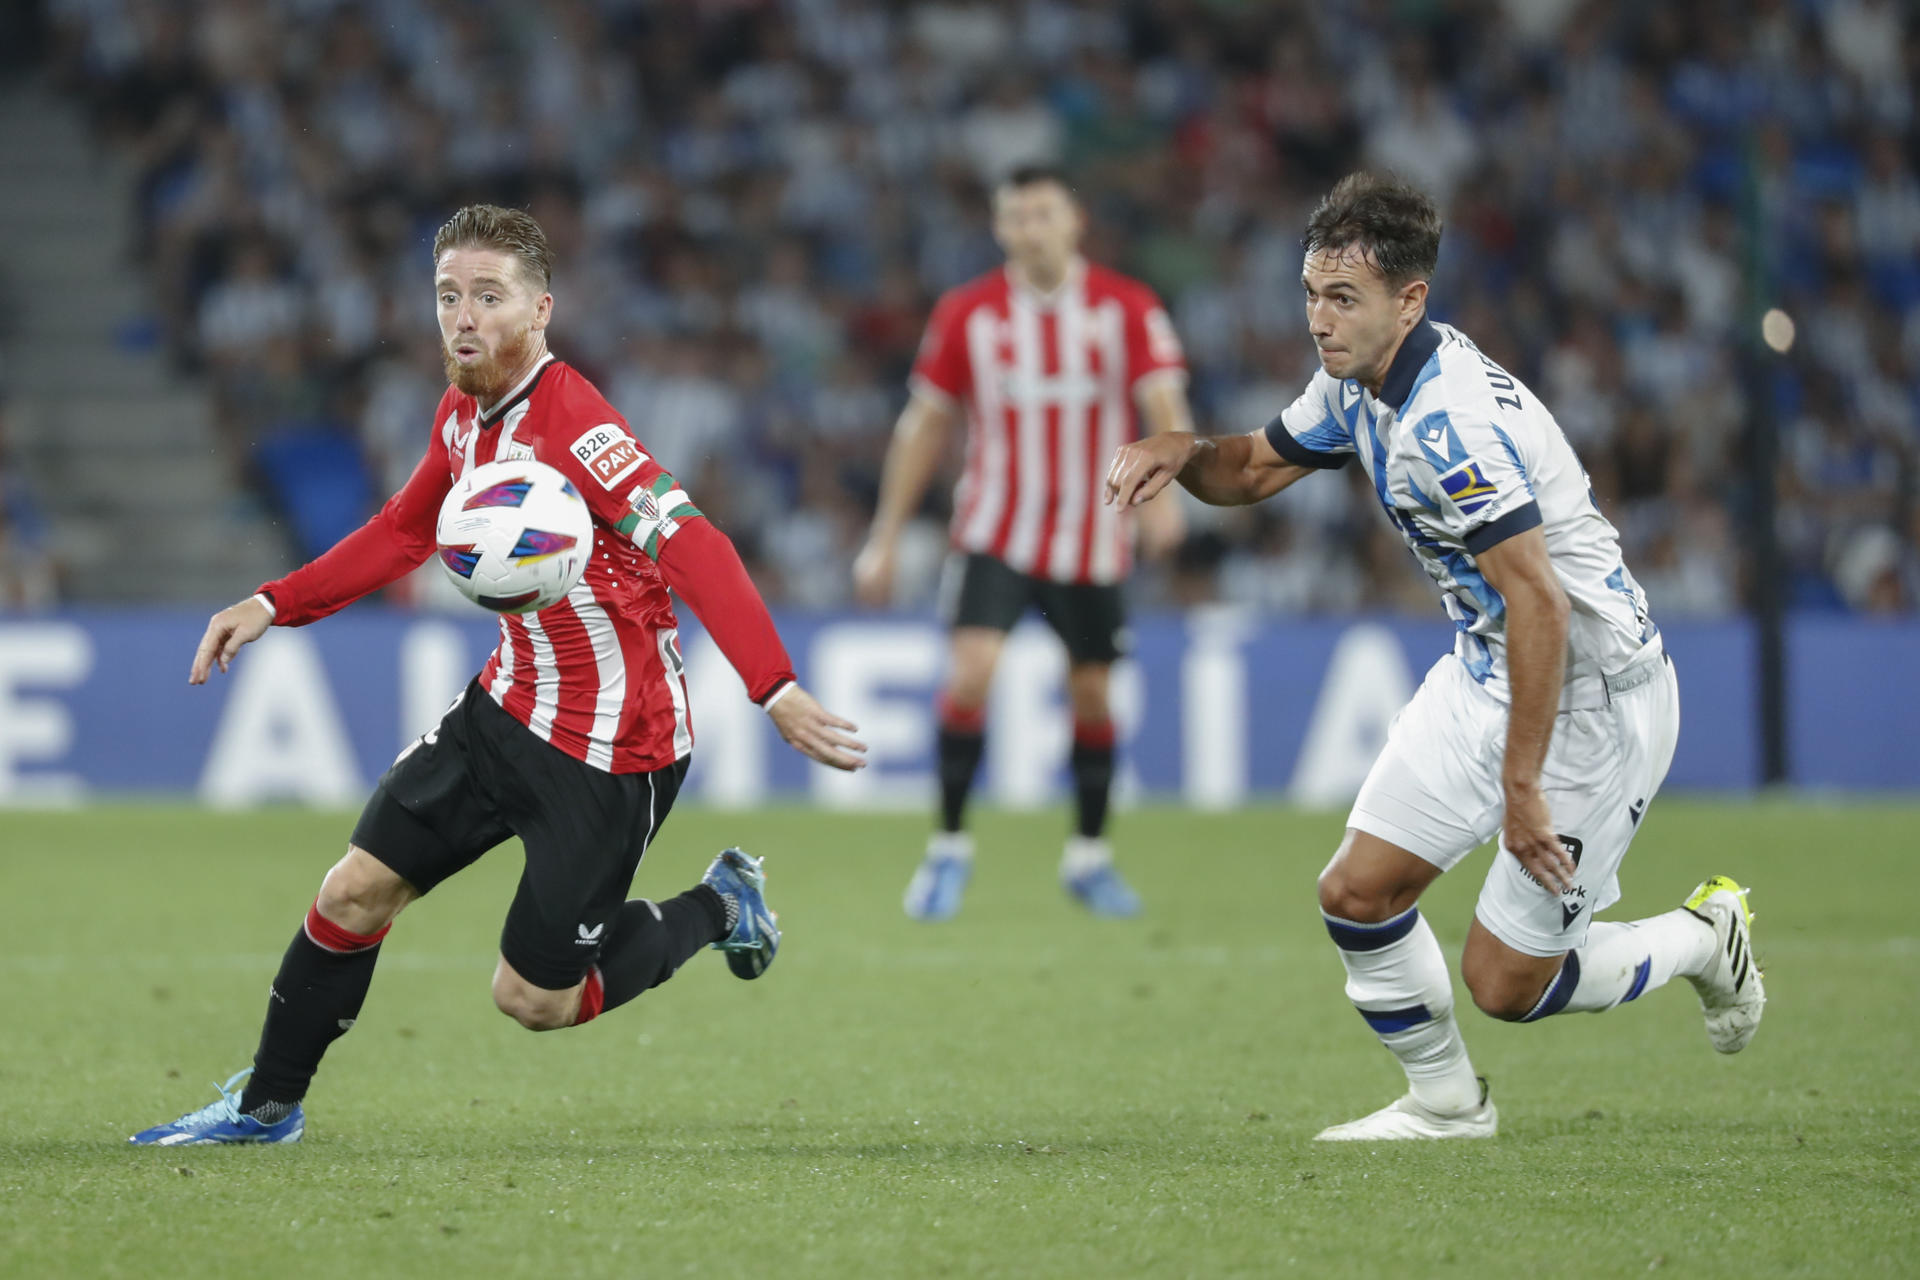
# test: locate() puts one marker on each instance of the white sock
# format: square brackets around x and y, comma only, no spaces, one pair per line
[1084,854]
[1623,960]
[1397,979]
[950,844]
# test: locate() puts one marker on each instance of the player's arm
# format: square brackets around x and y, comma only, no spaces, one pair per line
[1222,471]
[919,440]
[702,567]
[1162,397]
[1537,611]
[394,542]
[630,491]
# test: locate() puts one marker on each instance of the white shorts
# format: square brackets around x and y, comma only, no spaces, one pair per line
[1435,792]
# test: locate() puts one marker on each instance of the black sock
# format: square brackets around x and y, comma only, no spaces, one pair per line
[315,998]
[959,753]
[1092,766]
[651,940]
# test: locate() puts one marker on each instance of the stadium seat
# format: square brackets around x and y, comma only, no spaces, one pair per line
[318,479]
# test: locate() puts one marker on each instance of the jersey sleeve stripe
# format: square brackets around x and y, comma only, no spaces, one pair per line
[1301,455]
[1506,442]
[1492,534]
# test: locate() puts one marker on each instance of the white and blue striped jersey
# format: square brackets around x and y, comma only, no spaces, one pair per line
[1462,456]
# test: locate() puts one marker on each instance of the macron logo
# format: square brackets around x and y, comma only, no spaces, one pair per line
[588,937]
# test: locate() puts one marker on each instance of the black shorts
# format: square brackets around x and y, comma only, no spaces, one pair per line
[1090,618]
[481,776]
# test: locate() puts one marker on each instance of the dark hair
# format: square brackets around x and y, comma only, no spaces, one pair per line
[1390,219]
[1032,175]
[488,226]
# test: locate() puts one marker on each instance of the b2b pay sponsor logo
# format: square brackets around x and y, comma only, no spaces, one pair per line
[609,454]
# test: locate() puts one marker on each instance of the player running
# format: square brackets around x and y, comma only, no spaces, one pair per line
[1554,655]
[1050,356]
[575,737]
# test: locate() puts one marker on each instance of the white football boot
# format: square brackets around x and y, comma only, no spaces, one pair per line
[1732,995]
[1408,1117]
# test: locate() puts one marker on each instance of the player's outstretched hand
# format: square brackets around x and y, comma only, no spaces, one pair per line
[1529,836]
[227,630]
[1142,469]
[816,732]
[873,571]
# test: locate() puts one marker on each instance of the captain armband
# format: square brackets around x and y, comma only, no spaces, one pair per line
[655,513]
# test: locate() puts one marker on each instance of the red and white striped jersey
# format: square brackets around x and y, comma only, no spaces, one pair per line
[1049,384]
[597,674]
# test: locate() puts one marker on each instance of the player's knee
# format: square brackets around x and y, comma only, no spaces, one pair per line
[1087,691]
[966,691]
[533,1009]
[361,893]
[1508,997]
[1346,897]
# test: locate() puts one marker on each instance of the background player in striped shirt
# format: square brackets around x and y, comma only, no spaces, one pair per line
[575,737]
[1050,356]
[1550,725]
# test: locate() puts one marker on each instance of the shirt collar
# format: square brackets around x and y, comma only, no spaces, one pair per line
[1069,282]
[519,393]
[1408,361]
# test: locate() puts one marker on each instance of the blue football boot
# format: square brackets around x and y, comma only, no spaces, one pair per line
[755,936]
[1087,872]
[221,1121]
[939,885]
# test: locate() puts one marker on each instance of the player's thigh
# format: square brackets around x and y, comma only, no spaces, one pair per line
[430,814]
[1090,619]
[979,591]
[980,601]
[585,832]
[1434,789]
[1603,767]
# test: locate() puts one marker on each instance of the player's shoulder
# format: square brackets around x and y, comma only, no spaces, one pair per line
[988,289]
[1105,282]
[1446,372]
[568,414]
[565,399]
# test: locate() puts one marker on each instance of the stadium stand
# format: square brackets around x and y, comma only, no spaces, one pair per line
[755,203]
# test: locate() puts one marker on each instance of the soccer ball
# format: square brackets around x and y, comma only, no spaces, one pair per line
[514,536]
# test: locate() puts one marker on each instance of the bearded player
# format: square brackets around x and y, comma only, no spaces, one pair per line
[1550,725]
[574,737]
[1051,358]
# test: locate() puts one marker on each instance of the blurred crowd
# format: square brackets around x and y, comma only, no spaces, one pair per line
[755,203]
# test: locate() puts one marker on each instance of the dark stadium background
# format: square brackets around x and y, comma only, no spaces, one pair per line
[216,352]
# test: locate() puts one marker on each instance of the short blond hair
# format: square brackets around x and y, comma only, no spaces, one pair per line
[511,231]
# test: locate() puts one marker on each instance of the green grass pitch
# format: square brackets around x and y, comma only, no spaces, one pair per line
[1024,1091]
